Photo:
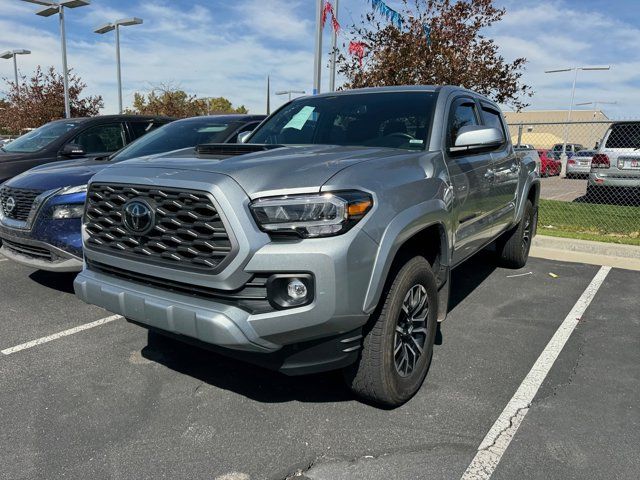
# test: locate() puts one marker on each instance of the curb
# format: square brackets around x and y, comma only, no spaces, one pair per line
[586,251]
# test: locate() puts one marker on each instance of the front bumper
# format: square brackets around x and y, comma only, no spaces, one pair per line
[37,254]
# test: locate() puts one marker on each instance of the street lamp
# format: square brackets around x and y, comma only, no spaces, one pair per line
[14,54]
[123,22]
[563,157]
[595,105]
[289,92]
[51,8]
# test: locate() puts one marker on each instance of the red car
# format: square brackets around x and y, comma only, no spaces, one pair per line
[548,165]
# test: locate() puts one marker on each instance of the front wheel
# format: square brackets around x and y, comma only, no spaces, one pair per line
[513,247]
[398,341]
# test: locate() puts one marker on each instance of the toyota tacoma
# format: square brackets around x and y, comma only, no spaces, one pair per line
[325,241]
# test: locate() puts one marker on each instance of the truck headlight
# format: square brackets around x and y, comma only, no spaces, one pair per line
[313,215]
[61,212]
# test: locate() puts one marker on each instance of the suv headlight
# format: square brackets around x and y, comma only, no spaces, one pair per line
[61,212]
[313,215]
[75,189]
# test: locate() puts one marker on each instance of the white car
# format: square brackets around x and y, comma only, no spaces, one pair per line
[616,164]
[579,165]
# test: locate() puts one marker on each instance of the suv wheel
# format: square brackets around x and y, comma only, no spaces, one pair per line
[513,247]
[398,341]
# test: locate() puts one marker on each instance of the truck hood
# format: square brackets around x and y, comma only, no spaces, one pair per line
[58,174]
[302,168]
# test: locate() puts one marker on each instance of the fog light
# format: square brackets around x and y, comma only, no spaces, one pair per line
[288,290]
[296,290]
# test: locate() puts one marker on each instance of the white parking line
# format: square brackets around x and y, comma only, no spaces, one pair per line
[3,259]
[55,336]
[499,437]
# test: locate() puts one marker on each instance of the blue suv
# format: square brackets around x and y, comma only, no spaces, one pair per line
[41,209]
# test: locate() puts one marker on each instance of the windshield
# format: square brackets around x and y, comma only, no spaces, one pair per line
[624,136]
[389,119]
[177,135]
[39,138]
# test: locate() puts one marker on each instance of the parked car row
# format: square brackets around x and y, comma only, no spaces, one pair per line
[41,208]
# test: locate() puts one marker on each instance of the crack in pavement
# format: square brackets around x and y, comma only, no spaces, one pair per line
[300,472]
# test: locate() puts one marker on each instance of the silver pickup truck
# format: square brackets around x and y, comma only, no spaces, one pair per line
[325,241]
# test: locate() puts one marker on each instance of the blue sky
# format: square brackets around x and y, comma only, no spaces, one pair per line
[226,48]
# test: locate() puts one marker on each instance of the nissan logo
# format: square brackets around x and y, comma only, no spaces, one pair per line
[138,216]
[9,205]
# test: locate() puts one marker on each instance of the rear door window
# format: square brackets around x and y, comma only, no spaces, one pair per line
[102,138]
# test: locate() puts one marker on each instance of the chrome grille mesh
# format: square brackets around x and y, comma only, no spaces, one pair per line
[188,232]
[22,202]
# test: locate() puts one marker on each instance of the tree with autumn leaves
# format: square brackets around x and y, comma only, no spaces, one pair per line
[165,99]
[439,42]
[40,99]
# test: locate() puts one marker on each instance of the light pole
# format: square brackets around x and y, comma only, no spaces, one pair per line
[289,92]
[334,46]
[595,105]
[563,157]
[51,8]
[123,22]
[14,54]
[317,63]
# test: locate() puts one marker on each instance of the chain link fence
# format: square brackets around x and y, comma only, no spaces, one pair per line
[591,177]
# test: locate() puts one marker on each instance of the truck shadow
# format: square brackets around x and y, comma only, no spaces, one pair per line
[62,282]
[245,379]
[269,386]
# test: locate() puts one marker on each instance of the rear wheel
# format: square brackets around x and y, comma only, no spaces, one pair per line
[398,341]
[513,247]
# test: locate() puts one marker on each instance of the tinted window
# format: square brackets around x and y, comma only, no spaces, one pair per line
[492,119]
[139,129]
[392,120]
[624,136]
[463,114]
[101,138]
[177,135]
[40,137]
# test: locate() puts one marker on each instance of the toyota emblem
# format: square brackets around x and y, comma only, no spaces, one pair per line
[138,216]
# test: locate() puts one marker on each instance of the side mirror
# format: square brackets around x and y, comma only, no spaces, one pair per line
[477,137]
[73,150]
[243,136]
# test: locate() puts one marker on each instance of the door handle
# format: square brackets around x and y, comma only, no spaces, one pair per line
[514,167]
[489,174]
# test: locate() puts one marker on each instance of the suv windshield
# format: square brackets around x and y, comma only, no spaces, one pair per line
[624,136]
[39,138]
[177,135]
[391,119]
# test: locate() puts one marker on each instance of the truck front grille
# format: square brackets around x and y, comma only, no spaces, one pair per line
[188,233]
[16,203]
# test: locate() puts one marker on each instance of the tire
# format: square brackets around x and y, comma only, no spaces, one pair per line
[513,247]
[376,376]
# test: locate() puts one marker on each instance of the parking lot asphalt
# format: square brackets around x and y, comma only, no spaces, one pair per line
[565,189]
[108,403]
